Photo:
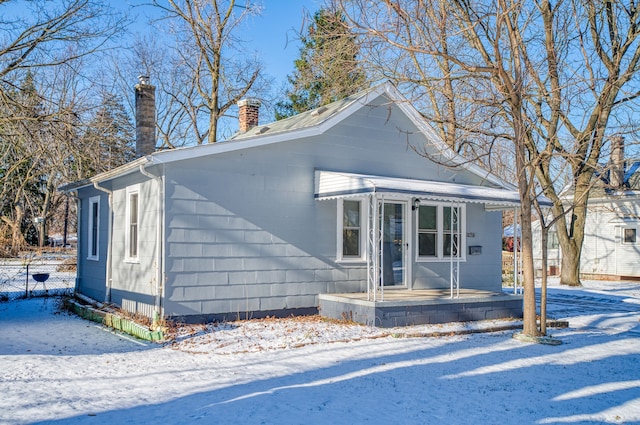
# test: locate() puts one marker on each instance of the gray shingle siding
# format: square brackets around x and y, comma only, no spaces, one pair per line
[250,222]
[244,236]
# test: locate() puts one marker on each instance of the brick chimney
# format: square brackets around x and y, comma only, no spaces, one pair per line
[616,173]
[145,117]
[248,114]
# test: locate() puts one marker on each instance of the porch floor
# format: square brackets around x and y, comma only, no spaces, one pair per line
[420,306]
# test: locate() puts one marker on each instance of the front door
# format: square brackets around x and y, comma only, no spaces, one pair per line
[394,246]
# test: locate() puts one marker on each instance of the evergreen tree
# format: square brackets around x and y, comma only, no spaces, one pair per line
[109,139]
[328,68]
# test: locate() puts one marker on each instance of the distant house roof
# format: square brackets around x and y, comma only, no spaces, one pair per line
[601,189]
[306,124]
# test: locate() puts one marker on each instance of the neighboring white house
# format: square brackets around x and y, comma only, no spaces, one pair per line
[611,247]
[334,200]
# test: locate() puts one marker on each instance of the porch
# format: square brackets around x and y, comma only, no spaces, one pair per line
[420,306]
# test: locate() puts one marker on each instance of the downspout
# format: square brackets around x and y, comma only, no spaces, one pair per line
[160,250]
[75,197]
[109,274]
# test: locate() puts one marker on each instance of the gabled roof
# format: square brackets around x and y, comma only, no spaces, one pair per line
[307,124]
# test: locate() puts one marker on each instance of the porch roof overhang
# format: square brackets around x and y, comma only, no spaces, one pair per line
[334,185]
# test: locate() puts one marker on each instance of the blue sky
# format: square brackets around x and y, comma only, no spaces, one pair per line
[274,34]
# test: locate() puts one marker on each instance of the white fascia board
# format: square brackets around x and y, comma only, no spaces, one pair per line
[123,170]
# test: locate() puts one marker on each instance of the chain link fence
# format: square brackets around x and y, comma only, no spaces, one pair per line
[37,275]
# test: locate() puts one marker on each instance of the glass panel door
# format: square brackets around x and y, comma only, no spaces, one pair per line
[393,244]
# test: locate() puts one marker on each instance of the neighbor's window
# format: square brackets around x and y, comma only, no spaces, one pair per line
[94,228]
[629,235]
[437,229]
[133,220]
[351,237]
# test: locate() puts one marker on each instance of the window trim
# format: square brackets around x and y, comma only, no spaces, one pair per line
[128,258]
[340,257]
[441,257]
[91,238]
[624,237]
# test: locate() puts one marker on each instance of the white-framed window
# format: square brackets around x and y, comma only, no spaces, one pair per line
[351,230]
[132,242]
[436,228]
[93,229]
[629,235]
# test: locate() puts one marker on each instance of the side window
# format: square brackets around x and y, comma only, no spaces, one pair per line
[351,231]
[133,222]
[93,228]
[629,235]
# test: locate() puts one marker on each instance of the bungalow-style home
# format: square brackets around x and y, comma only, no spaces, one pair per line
[356,209]
[611,247]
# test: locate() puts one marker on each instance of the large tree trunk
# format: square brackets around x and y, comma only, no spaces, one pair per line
[530,326]
[570,269]
[571,236]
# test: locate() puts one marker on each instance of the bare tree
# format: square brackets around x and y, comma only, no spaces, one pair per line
[175,119]
[397,40]
[550,74]
[40,36]
[590,78]
[208,51]
[485,57]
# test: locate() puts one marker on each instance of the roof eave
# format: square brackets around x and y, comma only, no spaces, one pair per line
[123,170]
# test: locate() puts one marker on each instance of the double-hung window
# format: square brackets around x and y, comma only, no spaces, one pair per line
[351,230]
[94,228]
[132,223]
[440,229]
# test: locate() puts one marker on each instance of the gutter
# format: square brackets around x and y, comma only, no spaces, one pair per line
[160,244]
[107,295]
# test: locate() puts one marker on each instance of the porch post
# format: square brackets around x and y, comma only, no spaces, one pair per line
[454,246]
[380,253]
[371,244]
[374,248]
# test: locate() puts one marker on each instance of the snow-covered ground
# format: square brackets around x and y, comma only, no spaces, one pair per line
[16,275]
[58,369]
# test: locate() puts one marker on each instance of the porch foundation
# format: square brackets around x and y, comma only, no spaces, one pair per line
[420,307]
